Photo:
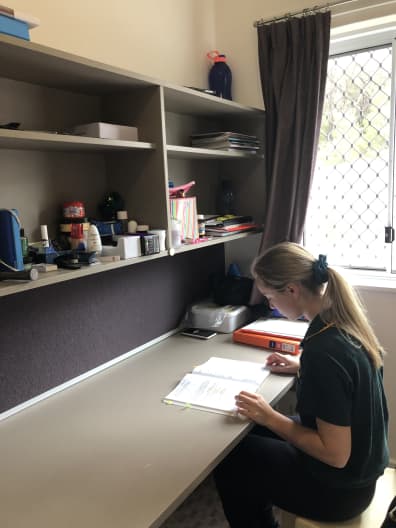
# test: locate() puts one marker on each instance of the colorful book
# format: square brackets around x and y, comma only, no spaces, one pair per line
[231,230]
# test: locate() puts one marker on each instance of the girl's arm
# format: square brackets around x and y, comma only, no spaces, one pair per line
[330,444]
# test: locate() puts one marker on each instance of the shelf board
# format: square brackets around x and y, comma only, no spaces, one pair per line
[30,62]
[183,100]
[181,152]
[215,240]
[37,140]
[61,275]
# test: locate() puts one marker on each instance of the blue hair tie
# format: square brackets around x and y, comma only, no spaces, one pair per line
[319,268]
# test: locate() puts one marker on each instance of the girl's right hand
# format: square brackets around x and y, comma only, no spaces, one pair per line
[283,364]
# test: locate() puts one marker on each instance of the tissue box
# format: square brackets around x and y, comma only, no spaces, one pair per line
[210,316]
[106,131]
[127,247]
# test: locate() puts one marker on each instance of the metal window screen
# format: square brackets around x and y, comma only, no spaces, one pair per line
[348,206]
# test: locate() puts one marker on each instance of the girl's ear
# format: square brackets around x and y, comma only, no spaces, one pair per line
[292,288]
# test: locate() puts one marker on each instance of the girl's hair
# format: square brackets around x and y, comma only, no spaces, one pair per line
[288,262]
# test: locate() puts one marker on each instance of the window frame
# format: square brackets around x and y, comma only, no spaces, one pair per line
[342,41]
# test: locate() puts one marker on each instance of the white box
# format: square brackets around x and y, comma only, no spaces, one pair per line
[106,131]
[127,247]
[210,316]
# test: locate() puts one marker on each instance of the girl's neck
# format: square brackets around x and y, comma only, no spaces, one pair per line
[313,307]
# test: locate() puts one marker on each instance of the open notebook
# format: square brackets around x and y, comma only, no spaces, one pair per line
[213,385]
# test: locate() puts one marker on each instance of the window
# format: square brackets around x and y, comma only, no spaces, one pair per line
[351,199]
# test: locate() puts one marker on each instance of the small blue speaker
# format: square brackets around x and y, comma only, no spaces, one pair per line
[10,241]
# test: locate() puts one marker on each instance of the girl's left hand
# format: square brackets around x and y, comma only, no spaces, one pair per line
[254,407]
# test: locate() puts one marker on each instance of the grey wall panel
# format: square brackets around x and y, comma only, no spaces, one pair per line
[53,334]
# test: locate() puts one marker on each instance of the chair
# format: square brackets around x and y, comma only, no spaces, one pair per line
[372,517]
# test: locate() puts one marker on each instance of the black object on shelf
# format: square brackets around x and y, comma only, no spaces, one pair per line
[112,203]
[19,275]
[225,198]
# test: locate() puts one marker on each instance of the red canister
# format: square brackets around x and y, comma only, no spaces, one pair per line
[73,210]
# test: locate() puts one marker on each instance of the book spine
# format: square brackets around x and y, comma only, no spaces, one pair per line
[230,229]
[13,27]
[284,346]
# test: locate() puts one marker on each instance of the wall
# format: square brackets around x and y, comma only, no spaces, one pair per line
[53,334]
[165,39]
[237,38]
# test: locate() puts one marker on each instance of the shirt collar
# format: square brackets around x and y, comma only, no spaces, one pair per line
[314,327]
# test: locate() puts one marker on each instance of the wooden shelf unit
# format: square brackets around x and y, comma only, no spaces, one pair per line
[49,91]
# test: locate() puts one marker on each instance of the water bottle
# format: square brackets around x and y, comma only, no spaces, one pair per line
[220,76]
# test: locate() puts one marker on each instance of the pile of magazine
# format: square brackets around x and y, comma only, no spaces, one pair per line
[229,225]
[226,141]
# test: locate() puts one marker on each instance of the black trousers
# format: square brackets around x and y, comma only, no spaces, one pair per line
[264,470]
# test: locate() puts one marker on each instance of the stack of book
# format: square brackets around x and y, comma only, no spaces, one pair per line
[229,225]
[226,141]
[16,23]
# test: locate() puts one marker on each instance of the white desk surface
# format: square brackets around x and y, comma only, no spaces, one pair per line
[108,453]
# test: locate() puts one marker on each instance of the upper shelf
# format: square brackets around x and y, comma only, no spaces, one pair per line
[180,152]
[36,140]
[183,100]
[30,62]
[61,275]
[26,61]
[216,240]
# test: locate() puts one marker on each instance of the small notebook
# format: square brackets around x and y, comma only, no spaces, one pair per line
[213,385]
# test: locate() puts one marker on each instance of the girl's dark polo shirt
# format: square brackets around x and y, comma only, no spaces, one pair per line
[338,384]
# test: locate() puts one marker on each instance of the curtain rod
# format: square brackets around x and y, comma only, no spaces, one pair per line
[306,11]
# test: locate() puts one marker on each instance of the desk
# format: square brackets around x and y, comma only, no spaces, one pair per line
[107,452]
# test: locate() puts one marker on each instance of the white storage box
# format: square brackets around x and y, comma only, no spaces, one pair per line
[106,131]
[210,316]
[127,247]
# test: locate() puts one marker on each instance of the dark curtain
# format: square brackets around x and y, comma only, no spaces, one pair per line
[293,59]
